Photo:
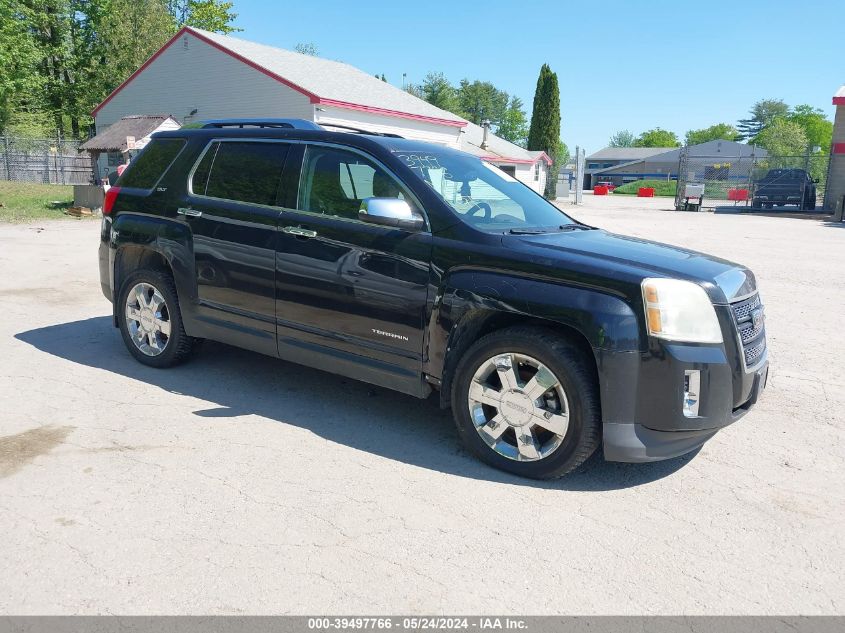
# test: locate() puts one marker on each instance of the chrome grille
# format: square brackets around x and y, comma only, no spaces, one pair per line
[753,338]
[753,352]
[748,332]
[742,309]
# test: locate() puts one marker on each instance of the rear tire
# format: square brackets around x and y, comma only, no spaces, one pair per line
[525,400]
[150,320]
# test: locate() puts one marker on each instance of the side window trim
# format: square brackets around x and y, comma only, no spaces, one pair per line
[218,142]
[302,162]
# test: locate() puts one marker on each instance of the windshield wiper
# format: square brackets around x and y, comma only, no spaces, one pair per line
[576,227]
[527,231]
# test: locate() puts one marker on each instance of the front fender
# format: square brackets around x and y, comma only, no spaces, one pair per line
[606,322]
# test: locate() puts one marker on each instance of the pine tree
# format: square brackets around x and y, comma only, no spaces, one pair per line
[544,133]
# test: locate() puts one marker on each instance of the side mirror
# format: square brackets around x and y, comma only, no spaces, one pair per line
[390,212]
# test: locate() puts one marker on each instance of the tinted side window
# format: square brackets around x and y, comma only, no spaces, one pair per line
[246,172]
[335,181]
[150,165]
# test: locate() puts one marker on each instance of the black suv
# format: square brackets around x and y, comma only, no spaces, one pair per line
[421,268]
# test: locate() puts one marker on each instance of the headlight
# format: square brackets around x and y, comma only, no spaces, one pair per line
[678,310]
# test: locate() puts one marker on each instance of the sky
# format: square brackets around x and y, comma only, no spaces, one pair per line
[621,65]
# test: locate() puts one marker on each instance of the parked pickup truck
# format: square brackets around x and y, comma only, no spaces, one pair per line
[423,269]
[785,186]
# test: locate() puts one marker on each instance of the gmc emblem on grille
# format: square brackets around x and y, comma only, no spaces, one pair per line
[757,317]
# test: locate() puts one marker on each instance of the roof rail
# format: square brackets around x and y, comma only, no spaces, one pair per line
[360,130]
[290,124]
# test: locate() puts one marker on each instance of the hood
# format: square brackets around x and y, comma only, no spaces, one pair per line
[637,259]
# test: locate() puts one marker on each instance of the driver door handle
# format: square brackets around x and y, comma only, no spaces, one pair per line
[299,231]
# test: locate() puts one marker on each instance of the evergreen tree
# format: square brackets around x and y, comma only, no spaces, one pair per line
[763,113]
[544,133]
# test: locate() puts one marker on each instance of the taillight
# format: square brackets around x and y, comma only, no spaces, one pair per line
[111,196]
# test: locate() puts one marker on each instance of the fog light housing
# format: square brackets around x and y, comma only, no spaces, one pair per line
[692,392]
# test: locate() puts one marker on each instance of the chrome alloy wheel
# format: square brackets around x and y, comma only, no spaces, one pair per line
[147,319]
[518,407]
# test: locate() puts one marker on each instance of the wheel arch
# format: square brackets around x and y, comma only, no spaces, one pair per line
[477,303]
[479,322]
[157,244]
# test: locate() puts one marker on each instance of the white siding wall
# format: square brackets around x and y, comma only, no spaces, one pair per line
[408,128]
[525,173]
[190,75]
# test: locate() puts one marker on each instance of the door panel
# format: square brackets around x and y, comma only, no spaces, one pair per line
[348,285]
[235,231]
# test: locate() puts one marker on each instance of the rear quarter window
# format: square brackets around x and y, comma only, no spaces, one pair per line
[152,163]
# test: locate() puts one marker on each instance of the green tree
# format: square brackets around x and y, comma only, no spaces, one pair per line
[657,137]
[307,48]
[437,90]
[21,85]
[563,152]
[816,126]
[134,30]
[717,132]
[623,138]
[782,137]
[478,101]
[209,15]
[544,132]
[762,114]
[514,126]
[49,26]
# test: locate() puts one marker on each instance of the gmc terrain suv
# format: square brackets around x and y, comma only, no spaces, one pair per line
[421,268]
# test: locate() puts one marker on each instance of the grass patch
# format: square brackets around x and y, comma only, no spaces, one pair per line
[26,201]
[661,187]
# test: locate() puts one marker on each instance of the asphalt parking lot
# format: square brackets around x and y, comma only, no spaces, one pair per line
[241,484]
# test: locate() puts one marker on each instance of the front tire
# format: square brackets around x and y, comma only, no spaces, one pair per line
[150,320]
[525,400]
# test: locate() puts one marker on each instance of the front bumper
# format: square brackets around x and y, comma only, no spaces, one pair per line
[634,442]
[643,395]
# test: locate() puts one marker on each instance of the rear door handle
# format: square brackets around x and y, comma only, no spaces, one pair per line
[191,212]
[299,231]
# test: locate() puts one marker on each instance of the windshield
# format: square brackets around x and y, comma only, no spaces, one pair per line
[481,194]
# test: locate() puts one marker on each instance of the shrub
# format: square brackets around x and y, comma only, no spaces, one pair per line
[661,187]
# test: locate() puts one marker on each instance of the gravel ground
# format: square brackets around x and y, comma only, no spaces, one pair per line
[242,484]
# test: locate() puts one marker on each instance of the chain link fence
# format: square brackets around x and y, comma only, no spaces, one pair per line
[47,161]
[759,181]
